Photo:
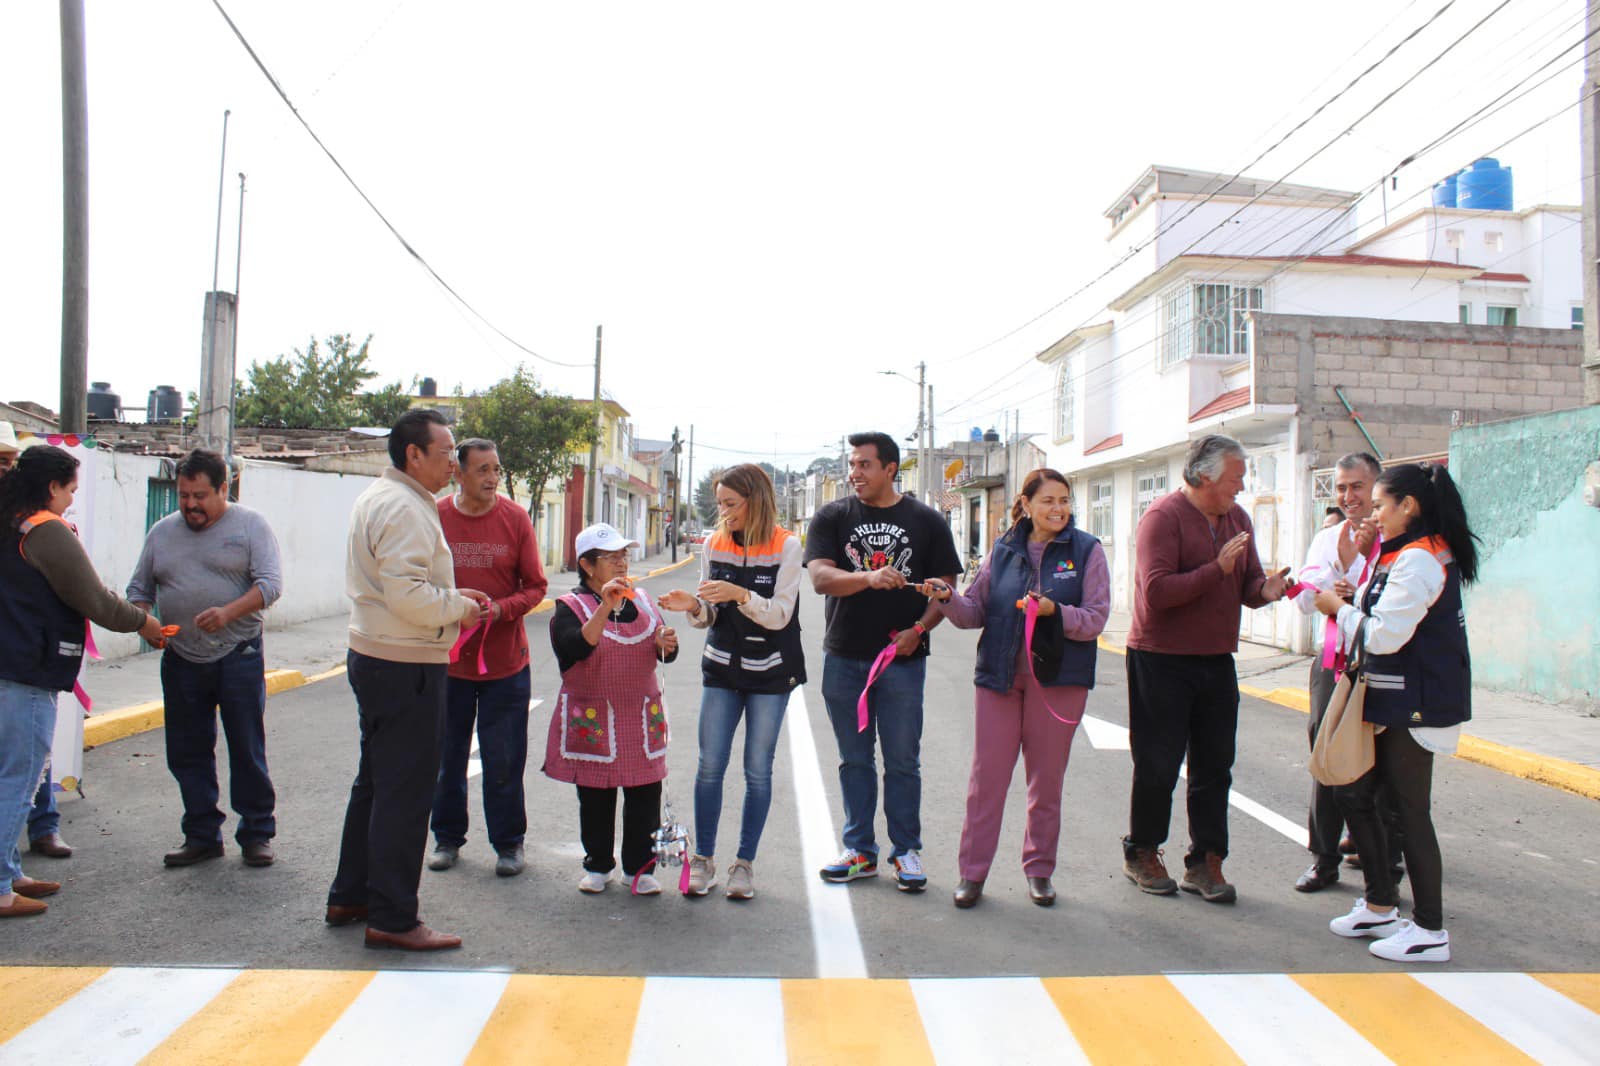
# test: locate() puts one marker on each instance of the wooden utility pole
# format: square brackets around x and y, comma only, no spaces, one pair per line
[74,221]
[594,449]
[1589,171]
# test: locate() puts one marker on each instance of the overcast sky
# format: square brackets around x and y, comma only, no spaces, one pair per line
[764,204]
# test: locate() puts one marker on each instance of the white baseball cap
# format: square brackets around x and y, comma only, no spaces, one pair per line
[603,537]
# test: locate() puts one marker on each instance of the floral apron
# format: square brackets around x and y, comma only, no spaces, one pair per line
[608,728]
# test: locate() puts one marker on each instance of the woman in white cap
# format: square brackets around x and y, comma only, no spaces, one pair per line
[608,729]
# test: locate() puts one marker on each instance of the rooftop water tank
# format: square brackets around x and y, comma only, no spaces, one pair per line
[1444,193]
[1484,187]
[104,405]
[976,433]
[429,387]
[992,436]
[165,404]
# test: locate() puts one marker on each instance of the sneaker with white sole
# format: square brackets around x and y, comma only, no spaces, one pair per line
[646,885]
[1412,943]
[593,883]
[741,880]
[850,865]
[908,875]
[444,856]
[702,875]
[1362,922]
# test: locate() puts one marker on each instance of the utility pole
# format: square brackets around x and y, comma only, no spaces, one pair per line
[1589,140]
[74,221]
[594,449]
[214,413]
[922,429]
[692,486]
[673,535]
[233,354]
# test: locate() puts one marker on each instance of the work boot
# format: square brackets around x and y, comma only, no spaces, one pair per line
[509,863]
[1205,879]
[444,856]
[1145,868]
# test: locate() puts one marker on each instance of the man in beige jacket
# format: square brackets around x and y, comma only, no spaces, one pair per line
[405,615]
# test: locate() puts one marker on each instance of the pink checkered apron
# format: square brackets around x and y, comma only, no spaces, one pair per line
[608,728]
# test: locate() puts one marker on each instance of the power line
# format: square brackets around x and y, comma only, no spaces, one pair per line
[412,251]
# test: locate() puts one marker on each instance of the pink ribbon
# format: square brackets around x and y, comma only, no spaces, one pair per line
[879,665]
[1027,642]
[461,642]
[92,652]
[1332,653]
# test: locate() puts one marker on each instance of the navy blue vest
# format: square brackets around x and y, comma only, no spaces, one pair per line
[1429,681]
[1060,578]
[43,643]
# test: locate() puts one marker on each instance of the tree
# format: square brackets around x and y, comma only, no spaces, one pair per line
[385,406]
[537,433]
[705,498]
[312,390]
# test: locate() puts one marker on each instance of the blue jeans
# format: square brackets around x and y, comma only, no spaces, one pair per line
[720,711]
[194,693]
[501,710]
[27,726]
[894,717]
[44,818]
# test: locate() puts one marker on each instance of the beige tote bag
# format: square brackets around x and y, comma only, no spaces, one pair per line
[1344,750]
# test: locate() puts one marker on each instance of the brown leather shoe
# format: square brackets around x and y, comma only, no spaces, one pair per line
[33,888]
[1316,878]
[190,854]
[50,845]
[419,939]
[21,907]
[258,853]
[968,893]
[1041,891]
[342,914]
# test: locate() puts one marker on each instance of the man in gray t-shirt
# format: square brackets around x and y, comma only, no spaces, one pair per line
[212,568]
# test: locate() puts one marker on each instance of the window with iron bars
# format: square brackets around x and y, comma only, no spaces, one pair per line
[1101,500]
[1066,401]
[1207,320]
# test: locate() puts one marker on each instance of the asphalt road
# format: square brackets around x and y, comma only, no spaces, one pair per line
[1518,865]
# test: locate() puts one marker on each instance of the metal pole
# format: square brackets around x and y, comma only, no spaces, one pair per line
[673,535]
[222,169]
[692,487]
[594,449]
[1589,155]
[922,425]
[74,221]
[233,354]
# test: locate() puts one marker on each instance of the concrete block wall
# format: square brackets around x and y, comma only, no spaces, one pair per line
[1412,383]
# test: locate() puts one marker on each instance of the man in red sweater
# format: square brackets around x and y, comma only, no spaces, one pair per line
[491,540]
[1197,565]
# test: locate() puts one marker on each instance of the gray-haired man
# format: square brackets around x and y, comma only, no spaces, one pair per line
[1197,567]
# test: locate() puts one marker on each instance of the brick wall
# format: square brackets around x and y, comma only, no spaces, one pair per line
[1410,382]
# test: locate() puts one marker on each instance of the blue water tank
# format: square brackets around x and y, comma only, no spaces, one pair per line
[1444,193]
[1485,187]
[975,433]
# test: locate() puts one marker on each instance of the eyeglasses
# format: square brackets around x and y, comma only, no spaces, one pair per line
[615,558]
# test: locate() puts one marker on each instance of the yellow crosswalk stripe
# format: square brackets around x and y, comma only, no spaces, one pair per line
[561,1020]
[1408,1022]
[28,993]
[1581,988]
[262,1018]
[1135,1019]
[854,1020]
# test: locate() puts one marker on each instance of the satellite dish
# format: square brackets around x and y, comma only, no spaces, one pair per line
[953,469]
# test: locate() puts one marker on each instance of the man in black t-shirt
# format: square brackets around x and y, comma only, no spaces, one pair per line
[868,553]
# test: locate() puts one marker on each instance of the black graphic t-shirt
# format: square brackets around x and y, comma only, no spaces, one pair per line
[910,536]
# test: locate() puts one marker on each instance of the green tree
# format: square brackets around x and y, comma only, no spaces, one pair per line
[537,433]
[314,389]
[385,406]
[705,498]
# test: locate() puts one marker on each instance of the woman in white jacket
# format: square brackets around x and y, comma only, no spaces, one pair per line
[1409,620]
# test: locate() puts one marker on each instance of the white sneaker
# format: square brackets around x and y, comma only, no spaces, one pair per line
[593,883]
[702,875]
[645,885]
[1362,922]
[1413,944]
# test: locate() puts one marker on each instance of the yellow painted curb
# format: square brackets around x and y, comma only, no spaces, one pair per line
[143,717]
[543,606]
[1293,698]
[1544,769]
[669,568]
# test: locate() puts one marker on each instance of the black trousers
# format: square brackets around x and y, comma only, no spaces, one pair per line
[1325,821]
[1181,706]
[597,827]
[1405,769]
[401,709]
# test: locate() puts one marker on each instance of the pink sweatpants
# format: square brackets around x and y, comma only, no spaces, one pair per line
[1006,724]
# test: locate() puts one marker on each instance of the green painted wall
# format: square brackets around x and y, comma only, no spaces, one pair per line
[1533,617]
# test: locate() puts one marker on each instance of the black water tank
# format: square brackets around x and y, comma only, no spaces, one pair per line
[104,405]
[165,404]
[430,387]
[992,437]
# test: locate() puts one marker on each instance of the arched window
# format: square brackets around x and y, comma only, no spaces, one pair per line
[1066,401]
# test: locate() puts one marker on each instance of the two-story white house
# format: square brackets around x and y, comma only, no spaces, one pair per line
[1169,358]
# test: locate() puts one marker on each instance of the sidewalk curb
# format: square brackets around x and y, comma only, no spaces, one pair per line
[1540,769]
[670,567]
[143,717]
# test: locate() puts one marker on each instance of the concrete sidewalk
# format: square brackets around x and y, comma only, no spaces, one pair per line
[1552,743]
[127,691]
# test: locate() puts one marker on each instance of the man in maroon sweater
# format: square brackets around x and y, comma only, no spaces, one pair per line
[1197,565]
[492,542]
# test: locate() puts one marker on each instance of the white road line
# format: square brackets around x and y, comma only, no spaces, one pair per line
[412,1016]
[1104,735]
[704,1021]
[993,1019]
[1540,1021]
[833,923]
[1266,1018]
[119,1018]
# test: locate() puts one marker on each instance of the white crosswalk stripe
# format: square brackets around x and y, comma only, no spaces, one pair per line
[1540,1021]
[405,1016]
[700,1020]
[959,1017]
[1265,1019]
